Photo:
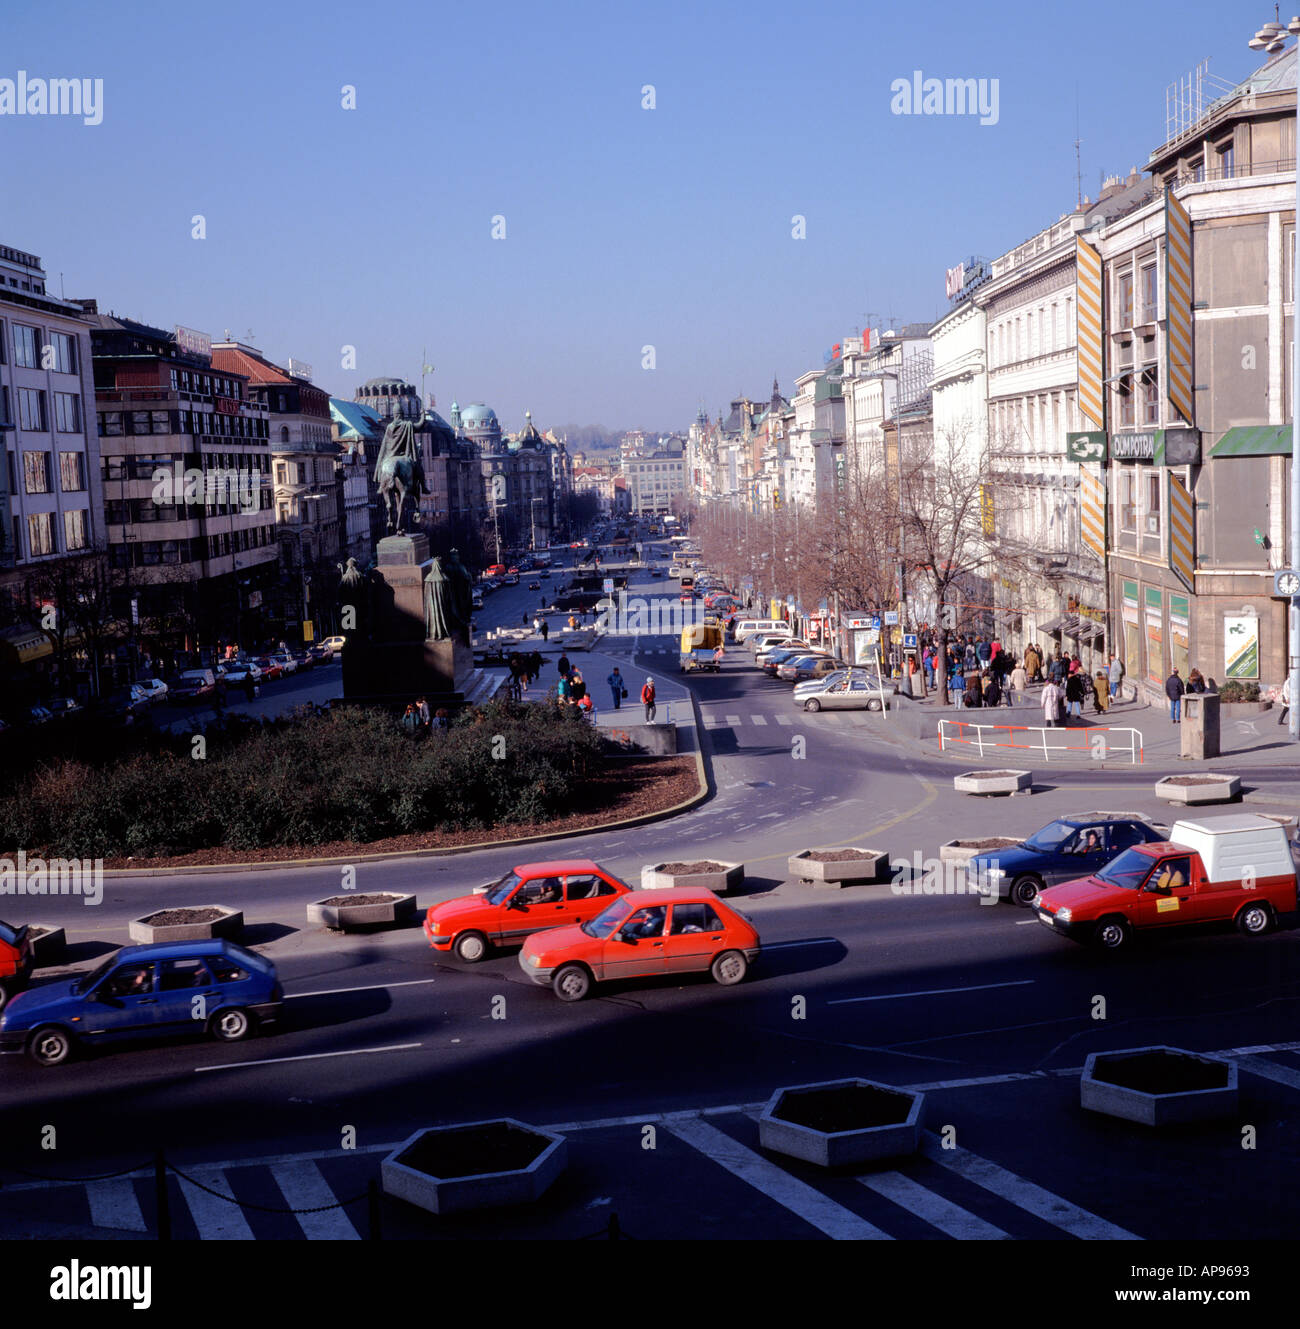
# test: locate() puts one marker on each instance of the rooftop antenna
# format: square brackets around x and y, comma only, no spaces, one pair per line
[1078,160]
[62,293]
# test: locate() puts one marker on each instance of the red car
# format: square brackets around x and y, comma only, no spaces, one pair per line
[527,899]
[15,960]
[269,667]
[644,934]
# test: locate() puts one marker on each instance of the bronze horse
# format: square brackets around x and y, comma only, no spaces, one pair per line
[398,471]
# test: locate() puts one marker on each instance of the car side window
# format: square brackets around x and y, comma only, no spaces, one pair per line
[1170,875]
[1124,834]
[131,980]
[177,975]
[694,918]
[545,890]
[1091,840]
[647,922]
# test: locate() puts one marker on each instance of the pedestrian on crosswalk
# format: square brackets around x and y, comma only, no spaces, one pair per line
[617,688]
[648,700]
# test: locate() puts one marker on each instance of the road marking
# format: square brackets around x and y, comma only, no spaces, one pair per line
[934,992]
[733,719]
[934,1209]
[303,1187]
[216,1220]
[764,816]
[1270,1070]
[784,719]
[800,1199]
[1024,1194]
[113,1203]
[372,987]
[757,719]
[309,1056]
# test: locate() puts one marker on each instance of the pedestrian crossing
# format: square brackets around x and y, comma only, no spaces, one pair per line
[757,720]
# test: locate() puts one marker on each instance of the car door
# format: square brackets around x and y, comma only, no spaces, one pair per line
[1168,896]
[695,935]
[585,895]
[636,950]
[1082,854]
[185,989]
[124,1003]
[537,904]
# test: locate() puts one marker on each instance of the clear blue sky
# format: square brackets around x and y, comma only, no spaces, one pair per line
[625,227]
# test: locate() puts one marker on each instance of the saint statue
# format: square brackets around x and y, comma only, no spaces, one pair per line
[440,621]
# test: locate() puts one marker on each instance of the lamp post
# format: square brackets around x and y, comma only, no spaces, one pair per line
[1272,38]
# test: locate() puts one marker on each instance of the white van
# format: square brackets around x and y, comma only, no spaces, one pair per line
[747,627]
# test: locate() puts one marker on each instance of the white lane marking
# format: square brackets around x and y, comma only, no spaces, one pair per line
[800,1199]
[757,719]
[934,992]
[1020,922]
[784,719]
[764,816]
[934,1209]
[733,719]
[113,1203]
[216,1220]
[812,941]
[1024,1194]
[371,987]
[309,1056]
[303,1187]
[1270,1070]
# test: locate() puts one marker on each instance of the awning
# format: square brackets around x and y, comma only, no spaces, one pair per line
[1052,625]
[1091,631]
[1070,627]
[1254,441]
[23,645]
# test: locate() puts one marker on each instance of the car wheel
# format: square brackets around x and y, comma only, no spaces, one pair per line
[873,705]
[1024,889]
[1255,920]
[730,967]
[471,947]
[230,1025]
[1113,934]
[571,982]
[812,704]
[49,1046]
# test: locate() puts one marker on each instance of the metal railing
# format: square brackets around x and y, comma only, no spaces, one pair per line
[986,736]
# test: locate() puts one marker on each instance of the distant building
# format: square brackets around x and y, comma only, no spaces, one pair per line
[358,432]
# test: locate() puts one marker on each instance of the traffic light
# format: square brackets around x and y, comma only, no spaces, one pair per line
[776,498]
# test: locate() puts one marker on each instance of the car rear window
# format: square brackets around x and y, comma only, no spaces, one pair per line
[241,955]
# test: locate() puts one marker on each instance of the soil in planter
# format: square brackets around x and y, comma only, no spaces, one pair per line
[1195,779]
[170,918]
[1159,1073]
[1000,774]
[473,1152]
[836,855]
[848,1107]
[680,869]
[34,932]
[994,842]
[359,899]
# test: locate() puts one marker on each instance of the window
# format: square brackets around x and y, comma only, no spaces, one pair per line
[139,422]
[74,529]
[36,472]
[1124,400]
[181,975]
[65,353]
[1124,299]
[130,980]
[67,413]
[40,534]
[72,472]
[31,410]
[25,348]
[160,422]
[1151,490]
[110,424]
[1149,293]
[5,417]
[1127,499]
[695,918]
[1150,386]
[2,342]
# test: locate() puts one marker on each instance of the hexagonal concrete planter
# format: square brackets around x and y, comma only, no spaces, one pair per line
[962,851]
[1159,1086]
[707,874]
[47,944]
[842,1122]
[1210,787]
[837,867]
[476,1165]
[365,909]
[993,782]
[188,923]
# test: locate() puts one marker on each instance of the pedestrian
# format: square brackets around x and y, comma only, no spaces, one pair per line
[648,700]
[1032,661]
[1195,681]
[1074,693]
[992,691]
[577,687]
[441,720]
[1285,699]
[1051,698]
[974,694]
[1174,690]
[562,664]
[573,622]
[410,720]
[537,622]
[535,663]
[250,687]
[1017,681]
[562,689]
[545,630]
[617,688]
[422,709]
[982,651]
[1100,692]
[1115,674]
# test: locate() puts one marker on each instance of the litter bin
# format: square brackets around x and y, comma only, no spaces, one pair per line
[1200,726]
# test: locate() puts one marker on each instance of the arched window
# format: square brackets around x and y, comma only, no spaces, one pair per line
[284,433]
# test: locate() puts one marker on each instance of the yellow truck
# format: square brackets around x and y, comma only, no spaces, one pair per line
[702,646]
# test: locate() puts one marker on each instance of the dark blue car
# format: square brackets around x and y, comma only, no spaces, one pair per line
[213,987]
[1068,848]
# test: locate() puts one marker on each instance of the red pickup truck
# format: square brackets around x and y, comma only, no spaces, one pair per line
[1213,870]
[15,960]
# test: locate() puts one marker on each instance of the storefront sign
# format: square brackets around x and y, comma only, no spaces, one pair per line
[1086,447]
[1133,447]
[195,343]
[1164,447]
[1241,646]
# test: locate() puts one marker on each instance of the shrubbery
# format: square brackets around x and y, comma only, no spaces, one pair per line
[349,776]
[1234,690]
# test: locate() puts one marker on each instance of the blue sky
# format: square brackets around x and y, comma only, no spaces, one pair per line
[624,227]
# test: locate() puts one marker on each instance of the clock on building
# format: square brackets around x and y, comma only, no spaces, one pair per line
[1286,583]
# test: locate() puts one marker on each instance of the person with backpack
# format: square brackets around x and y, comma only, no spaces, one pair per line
[648,700]
[617,688]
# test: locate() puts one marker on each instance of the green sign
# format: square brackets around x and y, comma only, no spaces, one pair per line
[1087,446]
[1130,592]
[1154,600]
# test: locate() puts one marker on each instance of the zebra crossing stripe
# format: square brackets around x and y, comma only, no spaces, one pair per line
[949,1218]
[1024,1194]
[758,719]
[784,720]
[1270,1070]
[113,1203]
[216,1219]
[303,1187]
[733,719]
[816,1209]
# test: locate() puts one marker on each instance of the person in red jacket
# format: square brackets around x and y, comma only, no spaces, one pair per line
[648,700]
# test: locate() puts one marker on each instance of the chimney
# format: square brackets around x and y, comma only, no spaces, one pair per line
[87,306]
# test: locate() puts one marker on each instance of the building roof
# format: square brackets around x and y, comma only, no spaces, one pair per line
[355,420]
[240,360]
[476,414]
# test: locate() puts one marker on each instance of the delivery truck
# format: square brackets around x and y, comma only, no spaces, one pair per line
[701,646]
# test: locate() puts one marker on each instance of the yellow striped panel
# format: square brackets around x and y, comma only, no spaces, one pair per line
[1092,511]
[1182,533]
[1178,307]
[1087,278]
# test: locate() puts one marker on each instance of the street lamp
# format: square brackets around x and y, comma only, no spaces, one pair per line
[1272,37]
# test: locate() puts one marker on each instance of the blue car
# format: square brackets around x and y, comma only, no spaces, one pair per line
[213,987]
[1068,848]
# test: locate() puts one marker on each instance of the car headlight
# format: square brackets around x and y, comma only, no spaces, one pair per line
[1064,915]
[436,928]
[535,960]
[994,873]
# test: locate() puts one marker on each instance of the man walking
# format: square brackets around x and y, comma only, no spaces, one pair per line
[648,700]
[562,664]
[545,629]
[1115,673]
[617,688]
[1174,691]
[1051,698]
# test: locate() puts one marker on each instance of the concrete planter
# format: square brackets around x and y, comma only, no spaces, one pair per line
[962,851]
[1210,787]
[837,871]
[1159,1086]
[993,782]
[816,1122]
[1242,710]
[47,947]
[228,923]
[730,877]
[410,1172]
[365,912]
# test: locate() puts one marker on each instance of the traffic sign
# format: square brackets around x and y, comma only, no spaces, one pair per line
[608,584]
[873,620]
[909,640]
[891,618]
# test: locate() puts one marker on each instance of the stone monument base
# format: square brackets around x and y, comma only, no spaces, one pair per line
[401,671]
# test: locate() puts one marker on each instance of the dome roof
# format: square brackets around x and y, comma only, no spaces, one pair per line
[477,414]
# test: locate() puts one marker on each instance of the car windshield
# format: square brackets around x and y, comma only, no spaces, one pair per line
[1129,870]
[501,890]
[1051,837]
[605,922]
